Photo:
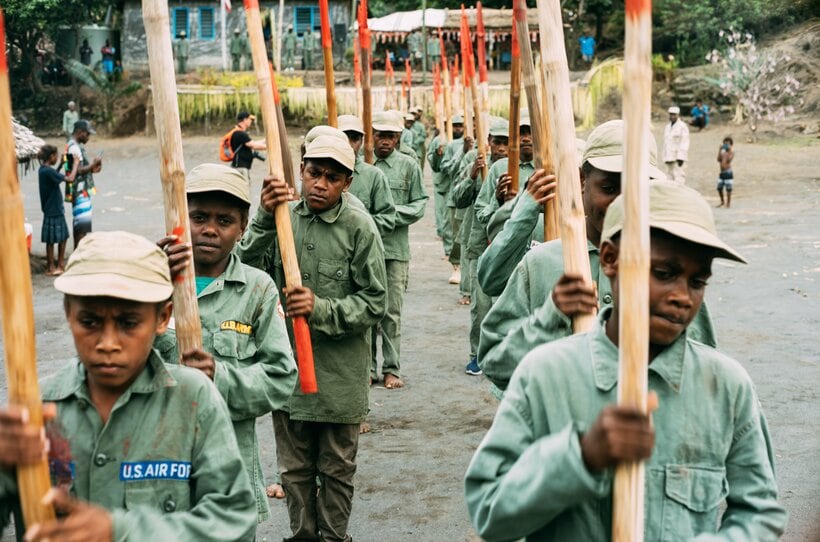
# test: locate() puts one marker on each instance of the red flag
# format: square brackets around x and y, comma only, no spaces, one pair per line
[466,47]
[516,50]
[480,45]
[324,16]
[409,72]
[364,31]
[357,64]
[388,66]
[227,5]
[443,50]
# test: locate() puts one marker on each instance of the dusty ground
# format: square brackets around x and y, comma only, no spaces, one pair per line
[409,483]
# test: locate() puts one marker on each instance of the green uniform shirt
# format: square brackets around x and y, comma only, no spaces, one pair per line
[371,187]
[407,144]
[243,327]
[450,168]
[182,47]
[69,118]
[528,478]
[404,176]
[525,315]
[289,41]
[419,137]
[237,46]
[466,190]
[486,204]
[433,47]
[309,41]
[439,181]
[166,463]
[342,261]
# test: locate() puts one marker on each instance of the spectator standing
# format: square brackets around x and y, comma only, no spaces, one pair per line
[587,43]
[85,53]
[80,171]
[676,146]
[700,115]
[433,51]
[70,116]
[726,178]
[181,49]
[55,229]
[308,47]
[243,146]
[289,46]
[237,49]
[108,52]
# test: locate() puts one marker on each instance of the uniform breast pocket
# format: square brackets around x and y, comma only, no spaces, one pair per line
[334,278]
[692,499]
[234,344]
[164,496]
[399,191]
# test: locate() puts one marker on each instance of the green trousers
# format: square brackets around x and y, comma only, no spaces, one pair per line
[308,59]
[182,63]
[236,62]
[443,222]
[397,275]
[454,228]
[288,58]
[480,305]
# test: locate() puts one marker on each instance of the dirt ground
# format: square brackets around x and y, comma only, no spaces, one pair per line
[409,480]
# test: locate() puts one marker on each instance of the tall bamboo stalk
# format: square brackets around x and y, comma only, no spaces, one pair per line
[171,164]
[539,117]
[439,101]
[276,167]
[367,96]
[448,98]
[470,77]
[514,149]
[17,305]
[633,260]
[483,76]
[357,77]
[327,55]
[570,205]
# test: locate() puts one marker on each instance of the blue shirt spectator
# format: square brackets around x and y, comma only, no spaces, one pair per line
[700,115]
[587,47]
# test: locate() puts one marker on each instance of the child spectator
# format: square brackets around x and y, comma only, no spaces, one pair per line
[55,229]
[700,115]
[726,178]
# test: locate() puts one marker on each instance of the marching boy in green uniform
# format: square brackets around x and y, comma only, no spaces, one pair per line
[245,348]
[342,296]
[145,449]
[443,183]
[540,300]
[404,175]
[544,470]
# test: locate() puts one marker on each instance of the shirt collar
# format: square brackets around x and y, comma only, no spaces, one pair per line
[234,272]
[72,381]
[668,364]
[329,216]
[391,158]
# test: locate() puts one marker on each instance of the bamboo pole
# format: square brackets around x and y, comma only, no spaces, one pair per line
[367,96]
[357,77]
[388,80]
[514,152]
[172,164]
[448,98]
[33,480]
[327,55]
[276,167]
[570,204]
[633,260]
[552,223]
[287,158]
[470,75]
[539,117]
[483,76]
[439,102]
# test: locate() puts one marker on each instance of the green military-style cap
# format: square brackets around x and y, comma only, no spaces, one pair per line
[117,264]
[458,118]
[218,178]
[351,123]
[605,149]
[678,210]
[499,127]
[324,130]
[328,146]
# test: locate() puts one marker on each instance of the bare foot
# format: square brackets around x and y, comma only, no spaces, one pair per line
[275,491]
[53,272]
[392,382]
[364,427]
[719,205]
[465,300]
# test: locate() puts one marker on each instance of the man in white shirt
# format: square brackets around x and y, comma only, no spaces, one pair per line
[676,146]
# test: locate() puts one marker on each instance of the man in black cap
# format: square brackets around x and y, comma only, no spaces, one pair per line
[243,146]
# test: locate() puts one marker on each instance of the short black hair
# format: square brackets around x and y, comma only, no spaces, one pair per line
[46,152]
[340,166]
[242,116]
[729,139]
[354,135]
[228,199]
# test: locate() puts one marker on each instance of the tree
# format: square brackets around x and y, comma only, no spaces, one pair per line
[28,22]
[759,80]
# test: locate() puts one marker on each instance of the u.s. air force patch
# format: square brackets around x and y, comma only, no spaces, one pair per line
[133,471]
[239,327]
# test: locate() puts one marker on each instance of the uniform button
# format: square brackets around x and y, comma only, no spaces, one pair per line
[169,505]
[607,299]
[310,246]
[305,276]
[100,459]
[339,274]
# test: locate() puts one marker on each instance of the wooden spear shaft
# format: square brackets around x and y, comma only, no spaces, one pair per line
[357,76]
[514,149]
[448,98]
[633,260]
[287,159]
[276,168]
[367,104]
[483,76]
[570,205]
[327,54]
[17,307]
[539,118]
[470,75]
[172,165]
[552,224]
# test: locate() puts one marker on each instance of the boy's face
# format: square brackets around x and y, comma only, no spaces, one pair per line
[216,226]
[355,139]
[498,147]
[385,142]
[600,188]
[678,274]
[458,130]
[525,143]
[113,337]
[323,181]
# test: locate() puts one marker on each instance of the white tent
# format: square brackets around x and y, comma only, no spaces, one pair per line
[407,21]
